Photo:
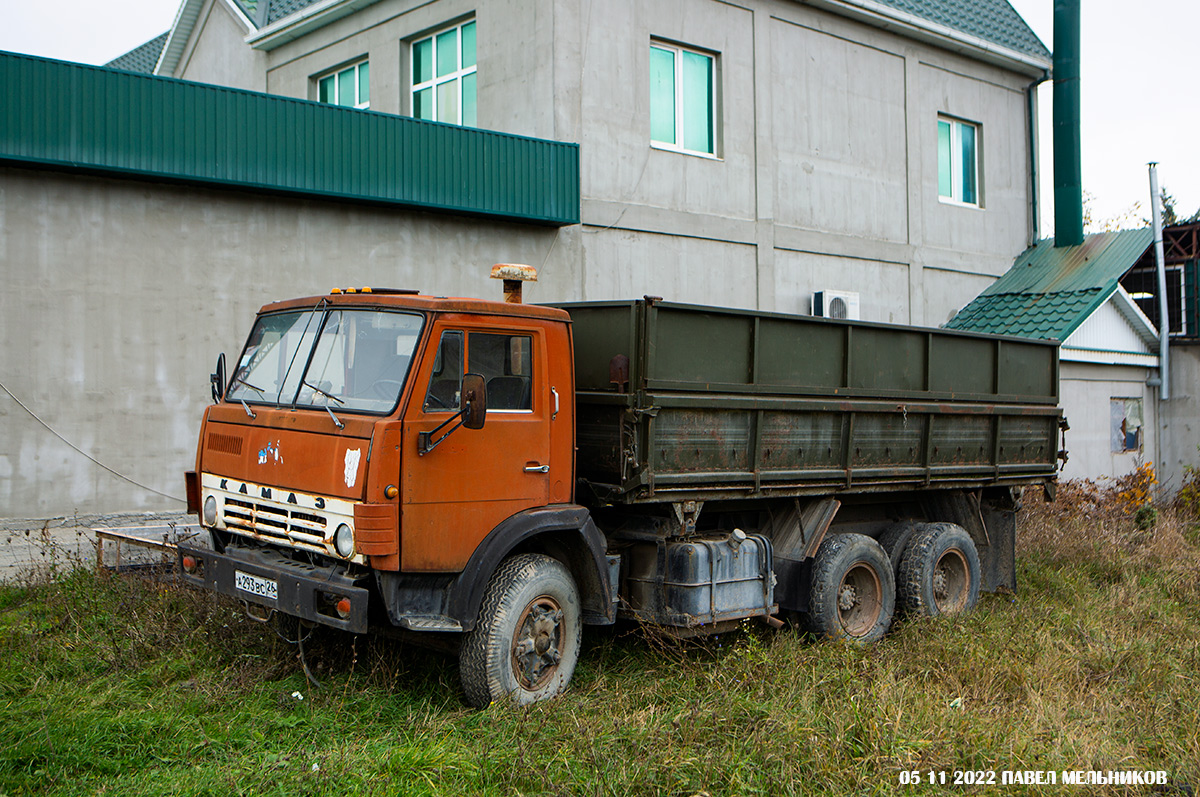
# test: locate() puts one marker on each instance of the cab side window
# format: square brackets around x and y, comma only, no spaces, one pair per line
[506,364]
[445,385]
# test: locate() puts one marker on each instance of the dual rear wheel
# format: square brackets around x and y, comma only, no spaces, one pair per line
[858,584]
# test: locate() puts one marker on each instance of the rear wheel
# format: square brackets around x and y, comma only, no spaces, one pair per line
[526,640]
[853,593]
[939,571]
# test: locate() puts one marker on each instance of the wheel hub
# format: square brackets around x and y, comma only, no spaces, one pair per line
[536,641]
[860,597]
[847,597]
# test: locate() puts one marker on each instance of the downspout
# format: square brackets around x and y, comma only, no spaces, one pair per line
[1031,109]
[1164,320]
[1068,172]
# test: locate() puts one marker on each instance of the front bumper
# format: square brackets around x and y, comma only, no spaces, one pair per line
[305,591]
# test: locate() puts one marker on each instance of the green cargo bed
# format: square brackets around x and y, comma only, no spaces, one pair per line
[681,402]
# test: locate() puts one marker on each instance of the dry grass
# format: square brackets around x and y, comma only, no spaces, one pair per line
[131,686]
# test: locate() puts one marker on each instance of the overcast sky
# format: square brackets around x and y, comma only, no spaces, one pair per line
[1139,69]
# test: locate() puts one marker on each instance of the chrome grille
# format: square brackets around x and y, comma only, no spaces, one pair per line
[277,523]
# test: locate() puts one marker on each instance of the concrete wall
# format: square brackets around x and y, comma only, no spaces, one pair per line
[118,295]
[1086,392]
[1180,416]
[827,138]
[216,53]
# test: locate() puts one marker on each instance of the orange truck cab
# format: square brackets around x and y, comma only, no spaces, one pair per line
[339,484]
[502,474]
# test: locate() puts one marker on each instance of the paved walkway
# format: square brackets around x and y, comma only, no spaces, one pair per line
[29,547]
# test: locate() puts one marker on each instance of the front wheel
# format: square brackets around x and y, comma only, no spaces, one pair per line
[526,640]
[853,594]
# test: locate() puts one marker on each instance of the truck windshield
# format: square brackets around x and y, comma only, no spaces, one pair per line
[353,360]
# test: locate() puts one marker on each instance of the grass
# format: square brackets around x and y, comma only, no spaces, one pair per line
[125,685]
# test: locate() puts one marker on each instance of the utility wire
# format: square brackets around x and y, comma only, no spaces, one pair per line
[52,431]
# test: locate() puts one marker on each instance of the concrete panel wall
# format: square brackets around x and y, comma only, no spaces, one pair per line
[216,53]
[118,295]
[827,127]
[620,264]
[839,134]
[1086,393]
[997,104]
[882,286]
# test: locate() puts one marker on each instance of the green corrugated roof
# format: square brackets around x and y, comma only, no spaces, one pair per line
[77,117]
[143,58]
[1049,291]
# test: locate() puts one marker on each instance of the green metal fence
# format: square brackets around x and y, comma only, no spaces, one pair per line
[91,118]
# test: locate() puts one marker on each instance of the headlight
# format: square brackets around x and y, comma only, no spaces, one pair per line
[210,511]
[343,540]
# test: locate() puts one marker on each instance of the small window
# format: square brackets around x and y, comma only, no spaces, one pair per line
[1127,423]
[505,363]
[349,87]
[445,385]
[443,76]
[958,161]
[682,99]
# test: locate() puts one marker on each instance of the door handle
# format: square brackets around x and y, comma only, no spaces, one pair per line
[535,468]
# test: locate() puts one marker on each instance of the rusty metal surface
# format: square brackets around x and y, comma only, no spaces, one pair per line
[723,404]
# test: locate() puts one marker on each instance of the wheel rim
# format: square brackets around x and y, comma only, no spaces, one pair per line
[536,642]
[860,600]
[951,582]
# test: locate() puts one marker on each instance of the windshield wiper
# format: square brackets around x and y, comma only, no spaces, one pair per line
[257,390]
[246,407]
[316,389]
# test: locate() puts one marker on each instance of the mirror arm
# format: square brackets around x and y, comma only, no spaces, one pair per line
[425,441]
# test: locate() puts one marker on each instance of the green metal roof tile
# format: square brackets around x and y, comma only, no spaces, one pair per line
[1050,291]
[141,59]
[992,20]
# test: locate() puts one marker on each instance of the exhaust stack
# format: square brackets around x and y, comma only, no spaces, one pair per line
[513,275]
[1068,172]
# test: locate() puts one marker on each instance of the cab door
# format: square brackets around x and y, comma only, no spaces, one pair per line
[473,479]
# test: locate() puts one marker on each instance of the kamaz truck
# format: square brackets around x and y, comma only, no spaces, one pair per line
[499,475]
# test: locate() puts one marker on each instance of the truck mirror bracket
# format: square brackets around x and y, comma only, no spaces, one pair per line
[472,413]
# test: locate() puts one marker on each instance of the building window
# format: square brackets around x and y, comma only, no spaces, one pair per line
[958,161]
[349,87]
[682,99]
[443,76]
[1127,421]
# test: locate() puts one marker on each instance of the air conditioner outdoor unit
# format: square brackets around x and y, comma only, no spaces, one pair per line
[835,304]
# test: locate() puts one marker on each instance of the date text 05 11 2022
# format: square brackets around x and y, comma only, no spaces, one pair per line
[991,777]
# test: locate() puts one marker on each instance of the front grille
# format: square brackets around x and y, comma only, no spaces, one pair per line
[276,523]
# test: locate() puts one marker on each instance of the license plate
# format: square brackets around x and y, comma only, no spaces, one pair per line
[263,587]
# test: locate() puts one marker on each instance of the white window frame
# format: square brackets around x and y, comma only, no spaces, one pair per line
[337,85]
[956,173]
[677,146]
[435,81]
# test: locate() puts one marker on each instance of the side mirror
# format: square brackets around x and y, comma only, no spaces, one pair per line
[473,404]
[217,380]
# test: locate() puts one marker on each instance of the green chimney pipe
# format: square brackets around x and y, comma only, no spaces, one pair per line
[1068,172]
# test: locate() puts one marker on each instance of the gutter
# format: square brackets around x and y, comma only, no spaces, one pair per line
[1031,107]
[883,16]
[306,20]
